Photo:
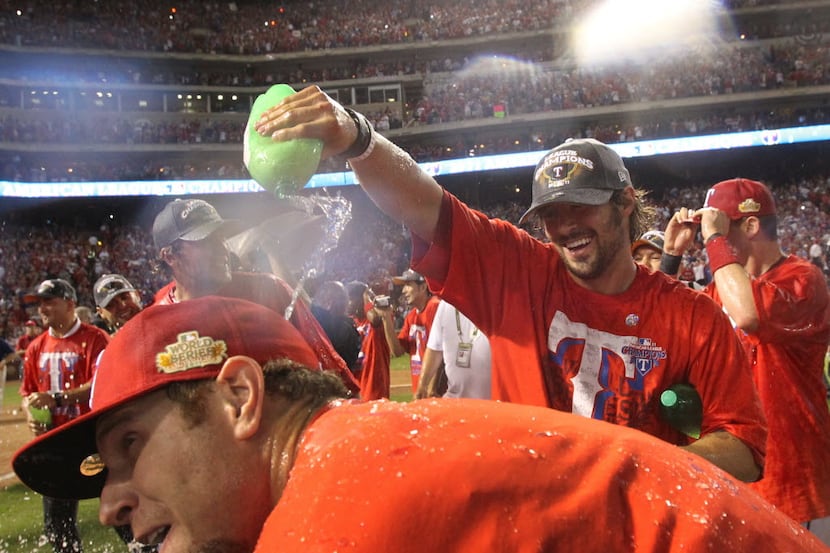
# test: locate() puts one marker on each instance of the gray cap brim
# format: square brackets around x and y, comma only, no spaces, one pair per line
[582,196]
[109,297]
[228,227]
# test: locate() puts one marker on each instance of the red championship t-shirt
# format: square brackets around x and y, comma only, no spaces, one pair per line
[787,358]
[464,475]
[557,344]
[373,361]
[53,364]
[414,334]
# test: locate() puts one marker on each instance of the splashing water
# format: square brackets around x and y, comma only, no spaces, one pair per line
[338,213]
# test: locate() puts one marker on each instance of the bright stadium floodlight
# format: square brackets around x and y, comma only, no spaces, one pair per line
[638,30]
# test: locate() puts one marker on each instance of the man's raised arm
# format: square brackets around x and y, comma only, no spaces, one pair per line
[390,177]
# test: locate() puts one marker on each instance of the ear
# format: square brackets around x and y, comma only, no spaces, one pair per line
[751,226]
[166,255]
[241,387]
[629,200]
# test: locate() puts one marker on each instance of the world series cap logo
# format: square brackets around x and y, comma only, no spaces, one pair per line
[749,205]
[191,351]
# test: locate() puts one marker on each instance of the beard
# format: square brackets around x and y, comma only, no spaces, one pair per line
[609,243]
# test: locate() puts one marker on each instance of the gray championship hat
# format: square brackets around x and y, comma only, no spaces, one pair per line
[579,171]
[189,220]
[52,288]
[653,239]
[408,276]
[109,286]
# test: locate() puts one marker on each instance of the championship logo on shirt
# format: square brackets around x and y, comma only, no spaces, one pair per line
[645,355]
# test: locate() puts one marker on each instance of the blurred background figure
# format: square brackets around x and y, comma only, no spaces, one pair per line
[84,313]
[117,301]
[457,358]
[57,375]
[329,306]
[647,250]
[373,360]
[412,337]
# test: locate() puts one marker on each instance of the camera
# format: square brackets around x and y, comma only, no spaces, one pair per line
[382,301]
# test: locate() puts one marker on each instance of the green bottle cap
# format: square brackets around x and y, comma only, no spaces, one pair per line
[283,167]
[668,398]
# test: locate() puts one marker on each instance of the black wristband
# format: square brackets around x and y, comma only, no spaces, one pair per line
[712,237]
[364,135]
[58,397]
[670,264]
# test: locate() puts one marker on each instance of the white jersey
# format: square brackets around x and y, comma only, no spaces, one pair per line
[466,353]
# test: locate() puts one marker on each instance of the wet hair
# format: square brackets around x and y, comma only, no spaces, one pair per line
[159,266]
[283,377]
[643,215]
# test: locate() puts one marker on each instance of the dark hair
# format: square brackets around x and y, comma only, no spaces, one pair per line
[769,226]
[159,266]
[283,377]
[643,215]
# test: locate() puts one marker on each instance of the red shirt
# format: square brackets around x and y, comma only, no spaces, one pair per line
[272,292]
[462,475]
[23,342]
[414,334]
[787,358]
[557,344]
[373,361]
[54,364]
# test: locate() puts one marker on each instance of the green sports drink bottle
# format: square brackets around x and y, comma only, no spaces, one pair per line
[41,415]
[284,167]
[682,409]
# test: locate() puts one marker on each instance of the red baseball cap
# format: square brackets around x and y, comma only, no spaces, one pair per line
[162,344]
[740,198]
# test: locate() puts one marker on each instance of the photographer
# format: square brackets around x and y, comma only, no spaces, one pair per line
[413,335]
[372,367]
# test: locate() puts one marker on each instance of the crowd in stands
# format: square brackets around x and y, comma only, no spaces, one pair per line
[457,87]
[372,247]
[472,95]
[247,28]
[447,146]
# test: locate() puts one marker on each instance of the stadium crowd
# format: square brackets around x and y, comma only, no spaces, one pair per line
[14,167]
[246,28]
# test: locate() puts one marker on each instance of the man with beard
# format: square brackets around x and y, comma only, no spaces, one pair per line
[574,324]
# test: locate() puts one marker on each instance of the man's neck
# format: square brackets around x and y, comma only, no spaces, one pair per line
[60,329]
[762,257]
[184,293]
[613,281]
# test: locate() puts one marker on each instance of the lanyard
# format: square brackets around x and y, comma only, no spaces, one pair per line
[473,334]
